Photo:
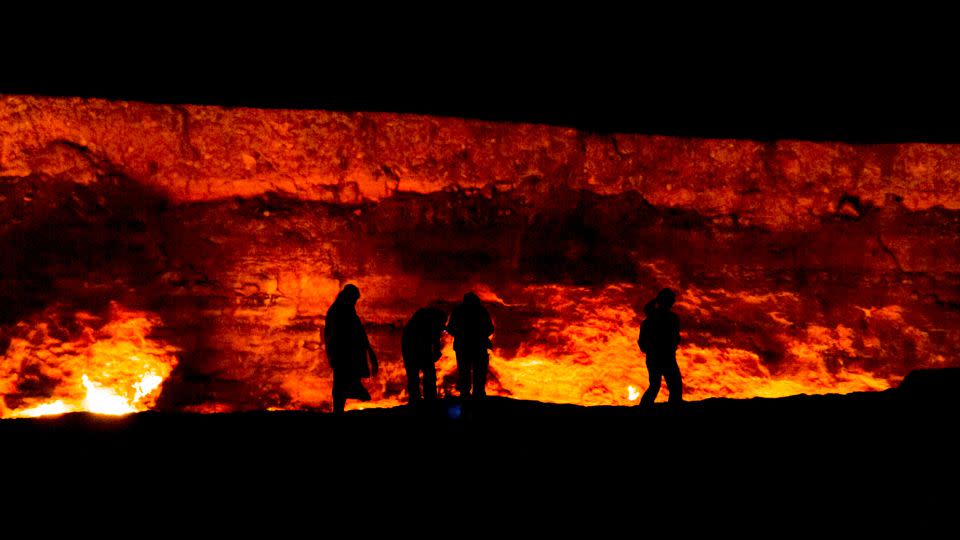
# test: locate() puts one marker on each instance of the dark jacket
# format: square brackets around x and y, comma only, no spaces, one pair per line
[471,327]
[659,333]
[346,341]
[420,341]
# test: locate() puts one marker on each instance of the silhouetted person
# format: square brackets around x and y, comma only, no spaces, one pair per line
[347,348]
[421,348]
[659,337]
[471,328]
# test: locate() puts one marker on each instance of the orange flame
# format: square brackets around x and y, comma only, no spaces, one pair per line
[586,353]
[58,363]
[579,345]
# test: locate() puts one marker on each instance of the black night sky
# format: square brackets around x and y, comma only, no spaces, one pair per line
[616,72]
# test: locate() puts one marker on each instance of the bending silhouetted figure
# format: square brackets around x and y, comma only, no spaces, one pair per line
[421,348]
[659,337]
[347,348]
[471,328]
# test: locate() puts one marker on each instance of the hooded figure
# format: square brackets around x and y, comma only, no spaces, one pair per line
[471,328]
[420,345]
[659,337]
[347,348]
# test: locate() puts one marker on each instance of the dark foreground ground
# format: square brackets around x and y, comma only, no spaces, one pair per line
[865,458]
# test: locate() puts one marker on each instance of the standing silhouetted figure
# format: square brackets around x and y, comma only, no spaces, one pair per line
[420,345]
[347,348]
[471,328]
[659,337]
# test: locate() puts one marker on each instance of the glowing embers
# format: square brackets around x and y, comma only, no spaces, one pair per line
[60,361]
[574,344]
[582,347]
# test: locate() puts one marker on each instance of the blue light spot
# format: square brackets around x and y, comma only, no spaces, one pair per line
[453,411]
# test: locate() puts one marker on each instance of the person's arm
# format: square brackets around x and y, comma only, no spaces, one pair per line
[643,338]
[453,326]
[374,366]
[488,327]
[330,343]
[437,347]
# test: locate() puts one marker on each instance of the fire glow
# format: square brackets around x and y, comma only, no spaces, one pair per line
[62,363]
[800,267]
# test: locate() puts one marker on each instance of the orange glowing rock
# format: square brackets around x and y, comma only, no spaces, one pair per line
[802,267]
[201,153]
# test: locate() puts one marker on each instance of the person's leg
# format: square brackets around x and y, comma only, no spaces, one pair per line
[481,361]
[413,383]
[674,381]
[339,398]
[360,391]
[463,373]
[651,394]
[430,381]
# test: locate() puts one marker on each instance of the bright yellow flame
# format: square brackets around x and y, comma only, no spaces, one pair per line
[104,400]
[47,409]
[375,404]
[582,348]
[106,365]
[149,383]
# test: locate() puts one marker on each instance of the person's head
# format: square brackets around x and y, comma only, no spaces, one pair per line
[349,295]
[471,299]
[666,298]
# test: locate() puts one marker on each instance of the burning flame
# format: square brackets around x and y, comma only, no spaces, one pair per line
[577,345]
[583,350]
[61,362]
[47,409]
[574,344]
